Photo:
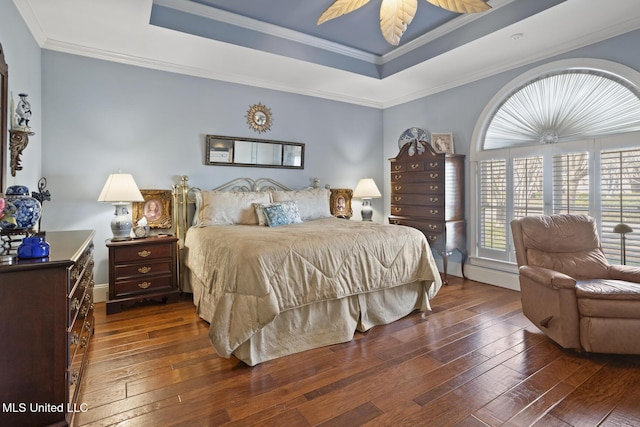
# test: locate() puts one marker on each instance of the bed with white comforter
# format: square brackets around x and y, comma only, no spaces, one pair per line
[270,291]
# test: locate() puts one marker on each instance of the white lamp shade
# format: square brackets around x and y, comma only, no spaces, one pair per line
[366,189]
[120,187]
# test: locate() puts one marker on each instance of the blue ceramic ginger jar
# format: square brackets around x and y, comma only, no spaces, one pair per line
[28,209]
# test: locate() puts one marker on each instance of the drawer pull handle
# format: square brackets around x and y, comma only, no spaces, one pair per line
[433,199]
[144,270]
[74,338]
[434,175]
[144,285]
[432,227]
[434,211]
[398,177]
[433,238]
[434,187]
[433,164]
[397,198]
[397,210]
[75,304]
[83,342]
[73,377]
[144,253]
[397,167]
[415,165]
[398,187]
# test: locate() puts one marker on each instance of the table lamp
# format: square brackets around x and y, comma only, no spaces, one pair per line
[120,190]
[366,190]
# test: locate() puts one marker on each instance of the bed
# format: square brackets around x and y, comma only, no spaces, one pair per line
[274,273]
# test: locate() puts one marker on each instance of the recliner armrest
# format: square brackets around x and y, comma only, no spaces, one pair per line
[551,278]
[625,272]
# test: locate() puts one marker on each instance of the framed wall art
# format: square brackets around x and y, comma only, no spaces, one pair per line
[340,202]
[156,208]
[442,142]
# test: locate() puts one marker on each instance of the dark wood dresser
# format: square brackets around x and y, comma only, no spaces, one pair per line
[46,323]
[142,269]
[427,193]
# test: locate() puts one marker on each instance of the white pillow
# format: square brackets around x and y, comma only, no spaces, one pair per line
[228,207]
[313,203]
[290,209]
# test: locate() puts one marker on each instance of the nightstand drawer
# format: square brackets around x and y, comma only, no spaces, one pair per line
[141,269]
[143,252]
[142,285]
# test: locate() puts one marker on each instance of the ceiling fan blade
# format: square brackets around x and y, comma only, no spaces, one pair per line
[462,6]
[339,8]
[395,16]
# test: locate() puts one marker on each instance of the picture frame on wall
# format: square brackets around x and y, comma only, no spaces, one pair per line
[340,202]
[156,208]
[442,142]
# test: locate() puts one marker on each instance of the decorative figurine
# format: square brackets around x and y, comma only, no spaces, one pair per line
[23,110]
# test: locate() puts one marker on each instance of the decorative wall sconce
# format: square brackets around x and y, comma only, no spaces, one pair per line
[18,141]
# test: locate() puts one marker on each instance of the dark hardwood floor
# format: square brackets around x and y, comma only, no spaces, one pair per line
[474,361]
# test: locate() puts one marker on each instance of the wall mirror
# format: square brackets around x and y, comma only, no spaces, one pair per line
[264,153]
[4,94]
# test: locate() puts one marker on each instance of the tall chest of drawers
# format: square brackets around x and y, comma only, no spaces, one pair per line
[427,193]
[46,323]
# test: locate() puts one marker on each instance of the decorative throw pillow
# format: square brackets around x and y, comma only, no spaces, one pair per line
[275,215]
[313,203]
[228,207]
[290,210]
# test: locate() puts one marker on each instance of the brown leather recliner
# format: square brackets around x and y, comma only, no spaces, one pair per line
[570,291]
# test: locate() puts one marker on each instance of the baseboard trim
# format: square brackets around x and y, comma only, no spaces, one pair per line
[100,292]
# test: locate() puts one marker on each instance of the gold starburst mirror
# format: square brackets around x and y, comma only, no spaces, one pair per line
[396,15]
[259,118]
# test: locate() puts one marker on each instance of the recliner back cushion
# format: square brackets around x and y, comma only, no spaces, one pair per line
[565,243]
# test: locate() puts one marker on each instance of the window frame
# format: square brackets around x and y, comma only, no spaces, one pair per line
[593,146]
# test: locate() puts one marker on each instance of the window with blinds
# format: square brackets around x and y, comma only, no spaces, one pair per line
[493,204]
[571,183]
[565,140]
[527,187]
[620,200]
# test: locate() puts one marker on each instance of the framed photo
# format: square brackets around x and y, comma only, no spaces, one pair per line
[340,202]
[442,142]
[156,208]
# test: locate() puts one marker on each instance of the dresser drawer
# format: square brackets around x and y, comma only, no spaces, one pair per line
[425,176]
[418,199]
[143,252]
[407,167]
[143,285]
[421,188]
[435,231]
[435,212]
[142,269]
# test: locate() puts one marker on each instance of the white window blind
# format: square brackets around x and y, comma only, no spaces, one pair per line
[620,189]
[528,187]
[571,183]
[493,204]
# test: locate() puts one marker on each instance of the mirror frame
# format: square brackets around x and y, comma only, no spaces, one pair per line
[4,94]
[233,139]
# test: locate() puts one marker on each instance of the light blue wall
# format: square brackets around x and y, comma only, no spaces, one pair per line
[101,116]
[22,54]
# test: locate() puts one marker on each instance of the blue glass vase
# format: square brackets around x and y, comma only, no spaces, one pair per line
[33,247]
[28,209]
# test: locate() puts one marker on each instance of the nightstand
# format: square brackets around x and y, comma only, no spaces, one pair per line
[142,269]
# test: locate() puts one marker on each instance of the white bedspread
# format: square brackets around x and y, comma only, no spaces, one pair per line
[253,273]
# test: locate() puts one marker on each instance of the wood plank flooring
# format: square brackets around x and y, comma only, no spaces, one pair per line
[474,361]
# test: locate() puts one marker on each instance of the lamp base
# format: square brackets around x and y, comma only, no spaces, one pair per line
[367,210]
[121,224]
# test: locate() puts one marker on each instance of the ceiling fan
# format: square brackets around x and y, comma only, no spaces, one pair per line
[396,15]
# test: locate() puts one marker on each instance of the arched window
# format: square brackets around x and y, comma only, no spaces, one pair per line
[561,138]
